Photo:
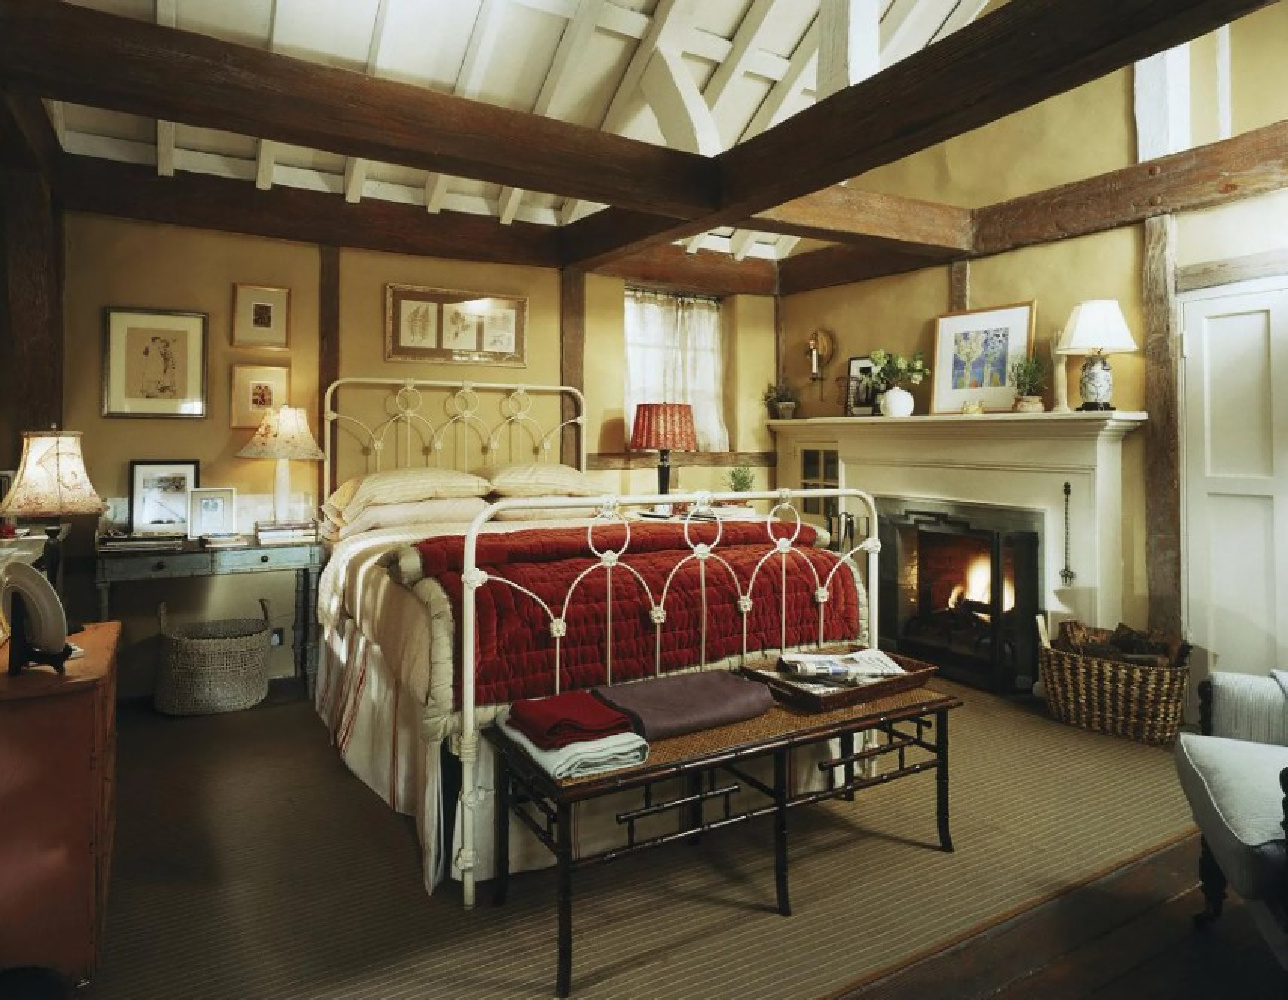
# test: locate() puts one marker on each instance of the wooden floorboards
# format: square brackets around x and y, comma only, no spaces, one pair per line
[1123,937]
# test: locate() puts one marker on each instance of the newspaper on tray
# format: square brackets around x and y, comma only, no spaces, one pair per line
[863,666]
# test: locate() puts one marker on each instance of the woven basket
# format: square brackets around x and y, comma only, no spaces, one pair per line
[213,666]
[1143,703]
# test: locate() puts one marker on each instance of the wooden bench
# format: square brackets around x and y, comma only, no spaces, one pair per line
[911,730]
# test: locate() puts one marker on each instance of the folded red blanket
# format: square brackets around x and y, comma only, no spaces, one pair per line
[553,723]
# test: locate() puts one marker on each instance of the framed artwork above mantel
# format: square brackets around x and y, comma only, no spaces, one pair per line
[455,327]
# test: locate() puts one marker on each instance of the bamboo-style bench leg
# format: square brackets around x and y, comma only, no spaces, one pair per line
[780,831]
[941,779]
[502,821]
[563,976]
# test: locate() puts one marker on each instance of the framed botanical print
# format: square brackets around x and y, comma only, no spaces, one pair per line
[154,363]
[212,511]
[159,495]
[974,352]
[256,389]
[440,325]
[261,316]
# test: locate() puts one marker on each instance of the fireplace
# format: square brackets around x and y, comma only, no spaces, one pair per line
[961,588]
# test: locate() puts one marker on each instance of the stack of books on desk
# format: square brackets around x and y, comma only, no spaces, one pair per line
[140,543]
[224,540]
[285,532]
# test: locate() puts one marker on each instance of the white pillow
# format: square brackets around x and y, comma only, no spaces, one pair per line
[544,479]
[403,486]
[428,512]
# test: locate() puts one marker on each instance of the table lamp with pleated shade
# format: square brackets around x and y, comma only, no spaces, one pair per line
[663,427]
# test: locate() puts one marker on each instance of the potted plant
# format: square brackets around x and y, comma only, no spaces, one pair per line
[781,399]
[741,479]
[890,372]
[1028,375]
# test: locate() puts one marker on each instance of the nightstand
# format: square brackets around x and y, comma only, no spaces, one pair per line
[191,560]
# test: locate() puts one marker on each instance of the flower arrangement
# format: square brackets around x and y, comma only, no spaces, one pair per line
[891,370]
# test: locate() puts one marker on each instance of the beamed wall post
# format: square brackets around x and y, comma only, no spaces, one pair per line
[572,356]
[32,251]
[328,340]
[1162,430]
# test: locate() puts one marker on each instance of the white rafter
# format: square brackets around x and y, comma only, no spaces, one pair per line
[167,17]
[799,73]
[849,47]
[266,154]
[682,115]
[355,167]
[470,81]
[576,36]
[747,43]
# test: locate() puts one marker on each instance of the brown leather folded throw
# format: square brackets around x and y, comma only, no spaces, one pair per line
[684,703]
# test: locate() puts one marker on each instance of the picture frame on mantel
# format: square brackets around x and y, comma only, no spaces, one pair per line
[159,495]
[455,327]
[860,399]
[974,352]
[154,363]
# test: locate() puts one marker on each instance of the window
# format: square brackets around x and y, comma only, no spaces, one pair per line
[673,356]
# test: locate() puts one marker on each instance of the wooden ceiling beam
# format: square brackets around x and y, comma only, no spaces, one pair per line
[72,53]
[106,187]
[841,265]
[1008,60]
[27,137]
[704,271]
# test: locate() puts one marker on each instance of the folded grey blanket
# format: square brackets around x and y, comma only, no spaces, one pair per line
[677,704]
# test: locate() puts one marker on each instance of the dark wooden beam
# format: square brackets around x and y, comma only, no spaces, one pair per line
[76,54]
[1208,274]
[27,139]
[959,286]
[572,357]
[1250,164]
[1018,55]
[328,341]
[840,265]
[105,187]
[704,272]
[878,221]
[33,299]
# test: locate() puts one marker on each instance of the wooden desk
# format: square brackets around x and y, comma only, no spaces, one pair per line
[57,794]
[544,804]
[115,567]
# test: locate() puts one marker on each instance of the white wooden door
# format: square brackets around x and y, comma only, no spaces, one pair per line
[1235,489]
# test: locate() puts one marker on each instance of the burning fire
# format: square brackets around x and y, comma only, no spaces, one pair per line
[977,587]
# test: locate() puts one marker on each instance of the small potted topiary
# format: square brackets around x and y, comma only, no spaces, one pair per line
[1028,375]
[781,399]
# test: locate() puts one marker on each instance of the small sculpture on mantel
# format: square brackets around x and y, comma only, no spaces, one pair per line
[1060,376]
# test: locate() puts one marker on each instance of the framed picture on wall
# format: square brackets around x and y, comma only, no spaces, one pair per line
[261,316]
[256,389]
[212,511]
[974,352]
[159,495]
[464,328]
[154,363]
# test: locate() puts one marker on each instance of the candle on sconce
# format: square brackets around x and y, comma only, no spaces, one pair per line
[820,350]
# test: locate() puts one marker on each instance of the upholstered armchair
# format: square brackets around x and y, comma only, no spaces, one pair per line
[1235,776]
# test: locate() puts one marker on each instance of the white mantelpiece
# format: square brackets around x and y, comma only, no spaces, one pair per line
[1008,459]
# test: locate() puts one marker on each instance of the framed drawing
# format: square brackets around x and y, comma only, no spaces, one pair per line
[154,363]
[159,496]
[260,316]
[860,398]
[212,511]
[257,389]
[974,351]
[467,328]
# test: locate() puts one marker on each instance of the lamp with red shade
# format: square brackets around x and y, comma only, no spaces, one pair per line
[663,427]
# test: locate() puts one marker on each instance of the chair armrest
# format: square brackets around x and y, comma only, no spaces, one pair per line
[1244,707]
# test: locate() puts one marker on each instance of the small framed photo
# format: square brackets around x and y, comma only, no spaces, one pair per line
[860,397]
[974,352]
[261,317]
[159,496]
[212,511]
[257,389]
[154,363]
[465,328]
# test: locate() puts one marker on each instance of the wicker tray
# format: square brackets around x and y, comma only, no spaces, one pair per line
[809,698]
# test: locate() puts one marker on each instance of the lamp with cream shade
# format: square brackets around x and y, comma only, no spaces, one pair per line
[283,434]
[663,427]
[1096,328]
[51,483]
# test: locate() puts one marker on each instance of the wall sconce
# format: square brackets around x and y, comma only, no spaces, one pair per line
[821,349]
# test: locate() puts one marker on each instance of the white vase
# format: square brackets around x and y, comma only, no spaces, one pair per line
[896,402]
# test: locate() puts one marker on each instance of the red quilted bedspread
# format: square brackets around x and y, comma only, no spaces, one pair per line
[516,650]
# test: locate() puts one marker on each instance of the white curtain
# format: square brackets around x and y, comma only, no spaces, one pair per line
[673,356]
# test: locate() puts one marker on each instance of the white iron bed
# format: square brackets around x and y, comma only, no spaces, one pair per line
[385,684]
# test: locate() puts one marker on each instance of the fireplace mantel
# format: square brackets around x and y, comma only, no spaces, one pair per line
[1008,459]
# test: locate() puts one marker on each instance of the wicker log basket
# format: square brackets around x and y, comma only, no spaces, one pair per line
[208,667]
[1140,701]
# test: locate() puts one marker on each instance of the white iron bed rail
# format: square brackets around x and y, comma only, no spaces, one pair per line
[611,511]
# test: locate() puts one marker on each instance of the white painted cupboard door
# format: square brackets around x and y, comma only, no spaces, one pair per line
[1235,493]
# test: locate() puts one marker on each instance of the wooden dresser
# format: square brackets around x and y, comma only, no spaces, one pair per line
[57,775]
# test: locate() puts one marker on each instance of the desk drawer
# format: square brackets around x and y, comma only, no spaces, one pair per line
[154,566]
[264,559]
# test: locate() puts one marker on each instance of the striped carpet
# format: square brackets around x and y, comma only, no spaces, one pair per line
[249,863]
